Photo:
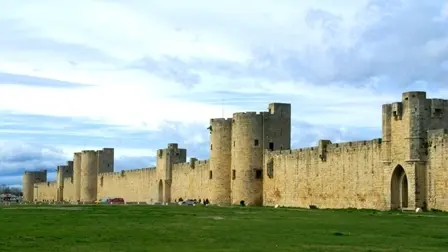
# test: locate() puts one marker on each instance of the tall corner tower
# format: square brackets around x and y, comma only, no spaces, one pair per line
[220,160]
[247,158]
[415,115]
[89,176]
[404,128]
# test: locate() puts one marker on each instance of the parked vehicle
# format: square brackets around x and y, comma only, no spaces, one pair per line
[188,203]
[116,201]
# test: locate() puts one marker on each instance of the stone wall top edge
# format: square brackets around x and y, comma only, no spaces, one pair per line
[181,165]
[119,173]
[205,161]
[416,92]
[171,149]
[248,114]
[221,120]
[360,143]
[292,151]
[88,151]
[48,183]
[280,103]
[35,172]
[420,94]
[353,145]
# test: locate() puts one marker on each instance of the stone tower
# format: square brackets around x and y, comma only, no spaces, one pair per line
[29,178]
[106,160]
[165,160]
[220,160]
[405,144]
[277,126]
[63,171]
[252,133]
[247,157]
[89,176]
[77,175]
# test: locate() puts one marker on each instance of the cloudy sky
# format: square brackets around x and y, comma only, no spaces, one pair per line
[135,75]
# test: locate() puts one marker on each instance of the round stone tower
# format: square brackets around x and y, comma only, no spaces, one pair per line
[89,176]
[29,179]
[247,158]
[220,160]
[28,186]
[77,174]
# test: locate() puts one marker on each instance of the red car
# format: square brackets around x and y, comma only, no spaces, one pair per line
[115,201]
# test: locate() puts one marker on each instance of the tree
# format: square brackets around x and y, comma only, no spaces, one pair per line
[4,189]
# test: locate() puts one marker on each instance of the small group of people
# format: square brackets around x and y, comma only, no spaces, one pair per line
[204,202]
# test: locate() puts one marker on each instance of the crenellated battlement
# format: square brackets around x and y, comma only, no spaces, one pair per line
[61,167]
[127,172]
[413,94]
[89,151]
[221,120]
[201,162]
[351,146]
[245,115]
[251,160]
[190,165]
[35,172]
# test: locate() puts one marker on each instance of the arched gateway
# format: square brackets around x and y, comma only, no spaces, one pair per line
[399,189]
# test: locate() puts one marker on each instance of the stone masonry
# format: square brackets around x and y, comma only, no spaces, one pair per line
[251,160]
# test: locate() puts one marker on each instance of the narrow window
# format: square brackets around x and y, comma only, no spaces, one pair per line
[256,142]
[233,143]
[258,173]
[233,174]
[211,146]
[271,146]
[210,175]
[270,169]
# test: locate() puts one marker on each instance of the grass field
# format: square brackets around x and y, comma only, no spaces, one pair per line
[183,229]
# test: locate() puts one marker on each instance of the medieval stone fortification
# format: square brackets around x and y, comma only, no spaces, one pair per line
[251,160]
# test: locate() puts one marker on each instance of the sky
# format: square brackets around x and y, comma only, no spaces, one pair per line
[136,75]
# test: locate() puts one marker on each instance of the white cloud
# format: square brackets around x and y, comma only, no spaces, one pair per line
[118,152]
[444,12]
[136,98]
[142,65]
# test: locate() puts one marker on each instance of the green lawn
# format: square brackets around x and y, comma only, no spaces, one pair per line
[183,228]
